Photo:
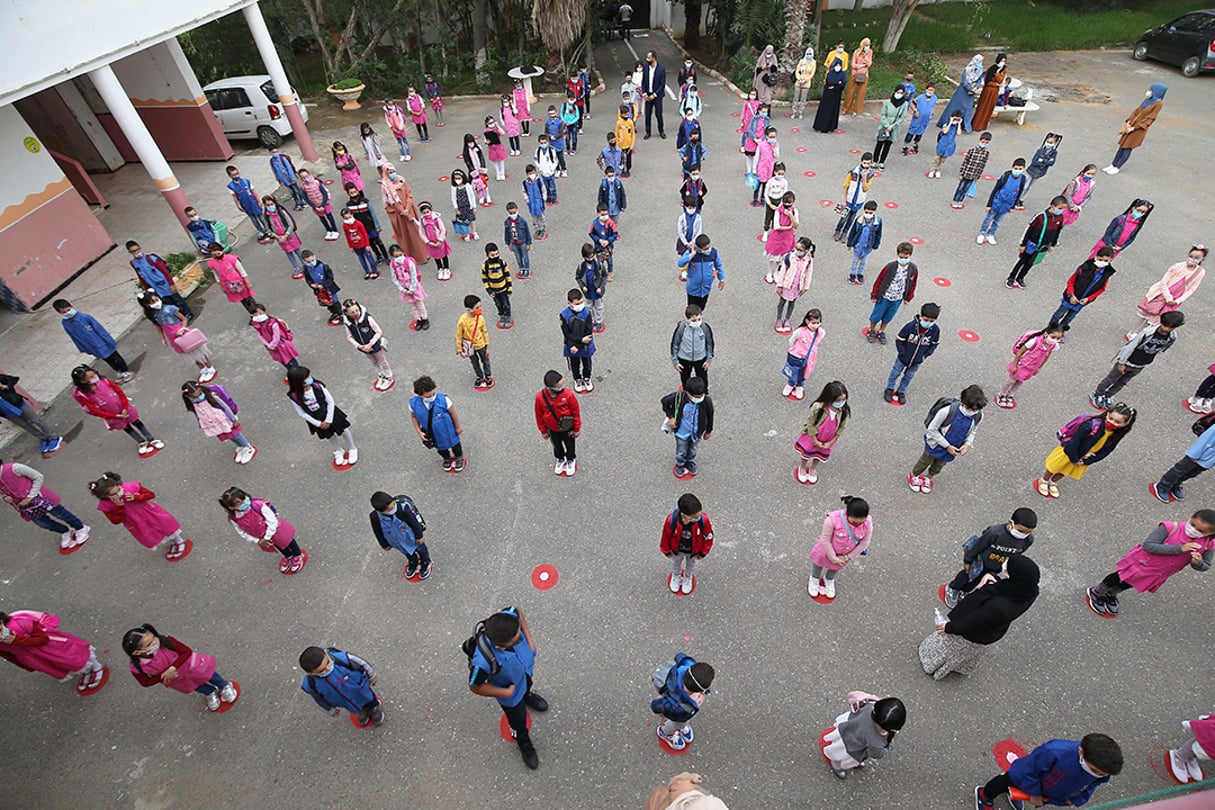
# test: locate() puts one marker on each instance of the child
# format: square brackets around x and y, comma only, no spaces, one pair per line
[257,521]
[687,538]
[894,286]
[1183,760]
[950,433]
[431,89]
[973,164]
[172,326]
[367,336]
[274,334]
[766,154]
[688,228]
[1031,352]
[394,117]
[591,278]
[894,111]
[860,736]
[1136,355]
[703,266]
[1166,551]
[371,148]
[395,522]
[1078,192]
[690,122]
[130,505]
[1083,442]
[856,187]
[463,202]
[325,420]
[916,342]
[358,241]
[1175,287]
[33,641]
[319,277]
[107,401]
[204,231]
[846,535]
[689,414]
[22,489]
[345,163]
[246,201]
[516,234]
[693,186]
[19,407]
[496,278]
[792,279]
[1198,458]
[442,431]
[571,117]
[947,144]
[215,411]
[522,107]
[284,172]
[603,233]
[408,280]
[285,232]
[507,640]
[611,194]
[497,151]
[478,177]
[692,153]
[548,161]
[318,199]
[535,190]
[154,276]
[337,680]
[1041,236]
[559,419]
[683,691]
[554,128]
[1085,286]
[864,237]
[630,92]
[802,354]
[509,117]
[921,114]
[1058,772]
[1123,228]
[165,660]
[472,342]
[692,346]
[612,155]
[754,132]
[749,107]
[1040,164]
[828,418]
[691,100]
[1004,196]
[985,556]
[577,331]
[417,113]
[626,137]
[361,208]
[774,192]
[584,94]
[435,236]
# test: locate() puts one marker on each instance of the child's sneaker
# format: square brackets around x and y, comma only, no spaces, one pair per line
[559,466]
[411,570]
[1178,495]
[952,597]
[687,734]
[914,482]
[578,388]
[1163,497]
[1095,602]
[676,581]
[799,392]
[297,564]
[1178,767]
[786,391]
[459,465]
[228,694]
[991,240]
[685,589]
[676,742]
[213,702]
[81,535]
[981,801]
[67,541]
[980,239]
[339,458]
[571,467]
[425,572]
[829,589]
[926,484]
[812,587]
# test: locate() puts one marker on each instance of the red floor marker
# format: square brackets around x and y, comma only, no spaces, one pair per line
[504,727]
[810,174]
[795,129]
[941,281]
[821,598]
[443,178]
[510,325]
[985,177]
[155,450]
[827,203]
[342,468]
[941,592]
[915,240]
[841,132]
[391,384]
[330,182]
[680,591]
[304,554]
[1006,752]
[544,577]
[92,690]
[853,151]
[786,115]
[1004,407]
[226,707]
[969,336]
[186,553]
[417,575]
[460,157]
[73,549]
[822,744]
[865,331]
[413,325]
[1185,403]
[736,115]
[685,477]
[800,149]
[892,205]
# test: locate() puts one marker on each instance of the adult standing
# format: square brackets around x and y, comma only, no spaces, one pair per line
[963,99]
[992,83]
[839,53]
[403,213]
[683,792]
[1178,283]
[764,80]
[626,20]
[828,116]
[653,88]
[854,96]
[803,76]
[1135,129]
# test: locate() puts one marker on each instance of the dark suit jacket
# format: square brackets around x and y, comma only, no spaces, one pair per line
[659,85]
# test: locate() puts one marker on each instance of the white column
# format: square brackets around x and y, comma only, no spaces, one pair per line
[278,76]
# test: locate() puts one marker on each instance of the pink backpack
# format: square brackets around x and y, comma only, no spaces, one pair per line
[1065,433]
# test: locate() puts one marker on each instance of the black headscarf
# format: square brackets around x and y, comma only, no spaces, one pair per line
[995,66]
[895,100]
[986,614]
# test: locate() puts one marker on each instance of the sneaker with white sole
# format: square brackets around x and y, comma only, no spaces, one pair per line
[158,444]
[144,448]
[914,482]
[829,589]
[352,456]
[1195,770]
[676,581]
[686,587]
[980,239]
[799,392]
[812,586]
[213,701]
[676,742]
[66,540]
[1178,767]
[571,467]
[207,374]
[339,458]
[559,466]
[228,694]
[952,597]
[687,734]
[788,389]
[81,535]
[925,484]
[991,240]
[244,454]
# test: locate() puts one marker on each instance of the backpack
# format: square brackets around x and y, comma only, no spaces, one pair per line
[223,396]
[1025,338]
[478,641]
[405,502]
[1065,433]
[954,406]
[287,333]
[659,678]
[1202,423]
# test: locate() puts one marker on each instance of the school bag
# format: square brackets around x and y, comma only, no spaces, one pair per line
[405,502]
[1202,423]
[954,406]
[478,641]
[286,330]
[659,678]
[1065,433]
[223,396]
[1021,341]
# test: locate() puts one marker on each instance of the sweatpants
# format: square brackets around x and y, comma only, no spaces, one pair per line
[1179,473]
[116,362]
[33,424]
[1116,380]
[684,562]
[563,445]
[580,367]
[927,462]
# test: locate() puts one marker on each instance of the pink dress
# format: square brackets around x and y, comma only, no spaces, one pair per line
[433,231]
[349,167]
[792,283]
[146,521]
[497,151]
[1145,571]
[417,108]
[405,270]
[825,434]
[510,122]
[191,674]
[1036,352]
[292,243]
[275,339]
[18,486]
[61,656]
[805,343]
[835,534]
[781,242]
[234,285]
[765,159]
[522,108]
[748,112]
[254,523]
[1083,188]
[395,118]
[107,398]
[316,195]
[1129,226]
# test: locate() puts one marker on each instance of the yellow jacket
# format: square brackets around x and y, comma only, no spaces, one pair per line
[471,328]
[626,132]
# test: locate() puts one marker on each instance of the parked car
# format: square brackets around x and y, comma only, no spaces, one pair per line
[248,107]
[1188,42]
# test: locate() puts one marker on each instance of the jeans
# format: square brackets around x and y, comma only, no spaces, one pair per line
[841,227]
[212,686]
[296,258]
[480,363]
[297,195]
[1116,380]
[550,188]
[178,300]
[239,440]
[138,431]
[502,303]
[991,222]
[693,366]
[522,256]
[402,144]
[366,260]
[1063,316]
[580,367]
[33,424]
[563,445]
[1178,474]
[857,270]
[54,520]
[959,193]
[685,452]
[539,227]
[571,139]
[907,371]
[784,309]
[1121,157]
[260,222]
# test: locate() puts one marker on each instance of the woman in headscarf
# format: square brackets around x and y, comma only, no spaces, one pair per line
[980,620]
[991,89]
[1135,129]
[828,116]
[862,60]
[894,111]
[402,213]
[683,792]
[963,99]
[803,76]
[766,75]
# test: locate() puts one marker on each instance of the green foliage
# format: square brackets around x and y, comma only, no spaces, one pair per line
[349,84]
[221,49]
[178,262]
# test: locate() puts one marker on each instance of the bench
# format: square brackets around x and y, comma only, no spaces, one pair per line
[1019,112]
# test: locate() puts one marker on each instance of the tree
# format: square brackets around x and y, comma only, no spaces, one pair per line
[337,54]
[691,24]
[560,23]
[858,5]
[480,52]
[900,14]
[795,32]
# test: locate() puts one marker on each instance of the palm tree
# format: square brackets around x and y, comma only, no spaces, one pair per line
[560,23]
[795,32]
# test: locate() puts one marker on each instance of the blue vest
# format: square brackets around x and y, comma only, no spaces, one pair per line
[343,687]
[89,336]
[514,667]
[442,427]
[397,533]
[955,434]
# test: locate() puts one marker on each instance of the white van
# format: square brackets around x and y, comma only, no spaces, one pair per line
[248,107]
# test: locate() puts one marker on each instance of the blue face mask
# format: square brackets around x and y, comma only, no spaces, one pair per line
[244,507]
[1136,215]
[310,262]
[925,324]
[198,398]
[903,261]
[1016,172]
[839,403]
[308,381]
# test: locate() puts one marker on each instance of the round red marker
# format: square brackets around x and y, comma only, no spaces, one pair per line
[941,592]
[984,177]
[330,182]
[680,591]
[688,476]
[510,325]
[786,115]
[969,336]
[1006,752]
[184,554]
[155,450]
[342,468]
[460,157]
[827,203]
[736,115]
[809,174]
[92,690]
[800,149]
[941,281]
[915,240]
[841,132]
[391,384]
[225,707]
[443,178]
[72,550]
[865,331]
[504,727]
[853,151]
[822,744]
[821,598]
[413,325]
[892,205]
[667,749]
[795,129]
[304,562]
[544,577]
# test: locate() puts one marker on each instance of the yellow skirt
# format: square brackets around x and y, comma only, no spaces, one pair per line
[1058,462]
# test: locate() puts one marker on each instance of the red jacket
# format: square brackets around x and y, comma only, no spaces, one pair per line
[564,404]
[118,513]
[183,655]
[702,535]
[356,235]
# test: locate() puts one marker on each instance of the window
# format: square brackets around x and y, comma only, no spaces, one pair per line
[227,98]
[1189,22]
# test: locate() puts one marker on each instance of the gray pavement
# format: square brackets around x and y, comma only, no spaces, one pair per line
[784,663]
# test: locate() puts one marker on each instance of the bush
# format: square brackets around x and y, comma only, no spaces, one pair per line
[347,84]
[178,262]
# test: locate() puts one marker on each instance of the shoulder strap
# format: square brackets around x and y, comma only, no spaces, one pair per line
[548,403]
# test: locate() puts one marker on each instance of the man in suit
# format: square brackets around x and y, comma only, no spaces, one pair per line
[653,88]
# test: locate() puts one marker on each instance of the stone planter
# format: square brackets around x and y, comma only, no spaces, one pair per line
[349,97]
[191,278]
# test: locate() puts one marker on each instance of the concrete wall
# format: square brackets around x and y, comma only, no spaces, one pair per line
[66,124]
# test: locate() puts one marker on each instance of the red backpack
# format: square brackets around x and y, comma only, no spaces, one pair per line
[1065,433]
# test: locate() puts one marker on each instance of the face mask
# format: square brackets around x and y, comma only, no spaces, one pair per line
[903,261]
[839,403]
[195,218]
[867,216]
[326,673]
[271,208]
[577,307]
[513,216]
[925,324]
[91,380]
[1191,532]
[603,217]
[198,398]
[800,253]
[156,305]
[430,399]
[696,400]
[244,507]
[839,48]
[1017,534]
[898,96]
[310,262]
[966,411]
[1100,263]
[694,177]
[1083,763]
[1148,94]
[1057,211]
[151,650]
[477,310]
[71,313]
[261,318]
[1050,341]
[687,65]
[866,47]
[348,220]
[555,391]
[694,324]
[394,176]
[138,254]
[1137,214]
[308,381]
[341,151]
[1192,260]
[531,177]
[1016,172]
[690,211]
[772,140]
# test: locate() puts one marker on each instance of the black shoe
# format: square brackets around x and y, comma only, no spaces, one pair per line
[529,756]
[411,570]
[1023,284]
[377,715]
[662,135]
[647,137]
[1008,282]
[889,395]
[190,318]
[424,325]
[535,701]
[900,399]
[1111,605]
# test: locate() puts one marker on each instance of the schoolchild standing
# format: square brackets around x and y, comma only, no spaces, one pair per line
[802,354]
[950,433]
[1123,229]
[1083,442]
[846,535]
[591,278]
[162,659]
[18,406]
[856,187]
[1137,354]
[171,323]
[516,234]
[431,88]
[408,280]
[510,123]
[394,117]
[626,138]
[1175,287]
[230,274]
[437,424]
[687,538]
[359,205]
[695,188]
[463,202]
[559,419]
[1199,457]
[246,201]
[1085,286]
[1031,352]
[325,420]
[749,107]
[767,152]
[371,148]
[497,150]
[338,680]
[154,276]
[508,679]
[358,240]
[434,233]
[921,115]
[864,237]
[284,172]
[204,231]
[396,523]
[612,155]
[792,280]
[577,332]
[1078,192]
[274,335]
[522,107]
[107,401]
[604,233]
[1003,198]
[284,231]
[318,200]
[22,488]
[555,129]
[90,337]
[689,413]
[571,116]
[472,342]
[130,505]
[417,113]
[548,162]
[535,189]
[688,227]
[367,336]
[703,265]
[257,521]
[215,411]
[774,192]
[33,641]
[685,685]
[916,342]
[783,236]
[973,164]
[947,145]
[1040,164]
[893,287]
[1041,236]
[612,194]
[496,278]
[319,277]
[862,734]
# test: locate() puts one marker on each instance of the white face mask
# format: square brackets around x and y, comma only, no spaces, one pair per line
[1017,534]
[152,649]
[1193,260]
[966,411]
[1084,764]
[348,220]
[578,307]
[696,400]
[156,305]
[71,313]
[694,324]
[694,177]
[690,211]
[1100,263]
[603,217]
[195,218]
[513,216]
[1192,532]
[260,318]
[430,400]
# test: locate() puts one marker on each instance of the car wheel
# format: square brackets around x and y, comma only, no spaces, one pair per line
[1140,53]
[1189,68]
[269,137]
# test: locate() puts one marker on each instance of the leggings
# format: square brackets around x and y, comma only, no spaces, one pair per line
[343,441]
[909,138]
[380,361]
[377,247]
[1112,585]
[116,362]
[817,571]
[423,130]
[513,140]
[1010,386]
[1207,389]
[291,550]
[443,262]
[881,149]
[328,221]
[136,430]
[785,307]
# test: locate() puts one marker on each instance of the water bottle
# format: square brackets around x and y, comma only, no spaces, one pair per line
[938,618]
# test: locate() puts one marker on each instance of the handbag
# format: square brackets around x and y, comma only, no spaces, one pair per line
[861,76]
[565,423]
[752,180]
[841,209]
[665,427]
[324,297]
[189,339]
[38,506]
